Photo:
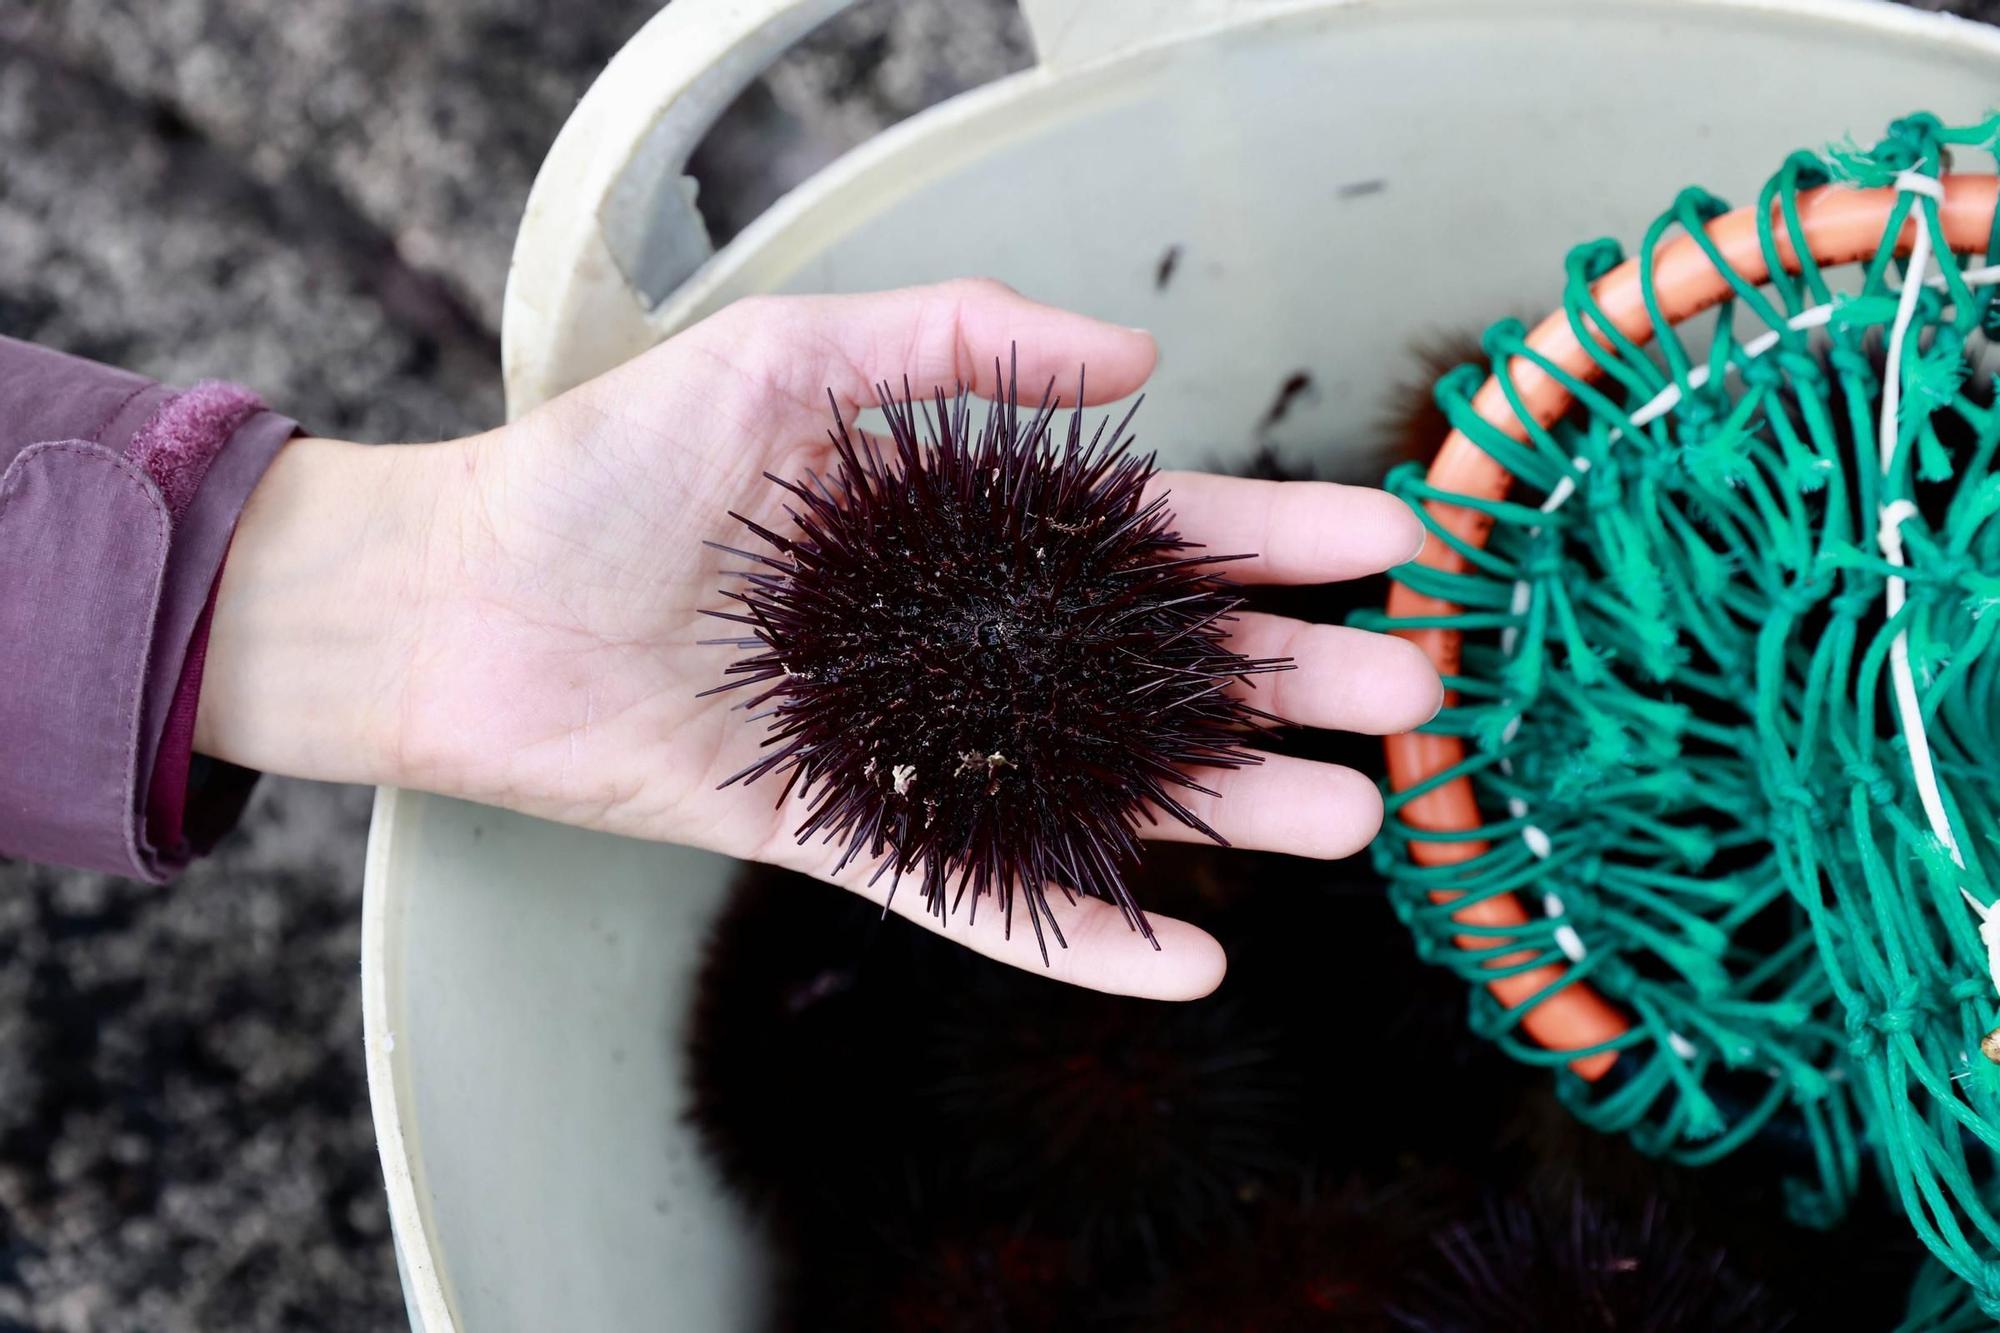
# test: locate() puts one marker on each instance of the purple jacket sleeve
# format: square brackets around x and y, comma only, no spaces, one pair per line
[118,497]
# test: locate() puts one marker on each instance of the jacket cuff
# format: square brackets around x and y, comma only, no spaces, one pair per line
[111,543]
[206,450]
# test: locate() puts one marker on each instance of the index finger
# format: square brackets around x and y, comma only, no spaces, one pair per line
[973,332]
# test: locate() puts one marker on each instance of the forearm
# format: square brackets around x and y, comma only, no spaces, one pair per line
[321,610]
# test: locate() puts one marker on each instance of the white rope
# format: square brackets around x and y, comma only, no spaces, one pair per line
[1889,536]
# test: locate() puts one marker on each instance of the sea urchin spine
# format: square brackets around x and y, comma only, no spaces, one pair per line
[989,654]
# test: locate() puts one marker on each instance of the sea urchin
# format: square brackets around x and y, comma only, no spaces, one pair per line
[989,654]
[1572,1265]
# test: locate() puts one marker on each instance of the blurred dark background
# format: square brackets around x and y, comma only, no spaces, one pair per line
[317,198]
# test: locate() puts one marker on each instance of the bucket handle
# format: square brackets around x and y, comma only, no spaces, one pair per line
[613,199]
[611,227]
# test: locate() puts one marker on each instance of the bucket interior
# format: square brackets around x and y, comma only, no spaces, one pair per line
[1291,204]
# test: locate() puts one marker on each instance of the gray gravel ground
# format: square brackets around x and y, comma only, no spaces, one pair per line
[316,197]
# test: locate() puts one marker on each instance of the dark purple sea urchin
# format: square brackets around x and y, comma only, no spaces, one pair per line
[1575,1265]
[989,655]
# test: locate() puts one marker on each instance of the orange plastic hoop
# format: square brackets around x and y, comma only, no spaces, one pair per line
[1841,225]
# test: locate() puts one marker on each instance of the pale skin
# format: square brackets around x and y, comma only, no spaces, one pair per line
[514,618]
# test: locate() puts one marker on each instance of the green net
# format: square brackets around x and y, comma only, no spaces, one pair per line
[1730,713]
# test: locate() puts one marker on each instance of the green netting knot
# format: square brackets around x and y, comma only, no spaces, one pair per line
[1454,390]
[1696,205]
[1851,362]
[1543,558]
[1882,789]
[1909,142]
[1864,1038]
[1987,1290]
[1502,338]
[1795,600]
[1591,260]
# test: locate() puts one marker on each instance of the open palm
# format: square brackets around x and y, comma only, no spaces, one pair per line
[562,678]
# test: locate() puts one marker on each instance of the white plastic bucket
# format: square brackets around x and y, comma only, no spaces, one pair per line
[1339,179]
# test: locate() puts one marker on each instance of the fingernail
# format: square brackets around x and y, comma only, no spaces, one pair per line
[1423,529]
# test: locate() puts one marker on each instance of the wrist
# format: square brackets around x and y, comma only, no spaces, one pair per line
[320,610]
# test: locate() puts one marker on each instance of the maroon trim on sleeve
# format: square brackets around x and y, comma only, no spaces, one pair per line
[167,793]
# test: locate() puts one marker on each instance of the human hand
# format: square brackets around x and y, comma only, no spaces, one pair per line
[515,618]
